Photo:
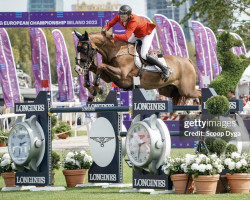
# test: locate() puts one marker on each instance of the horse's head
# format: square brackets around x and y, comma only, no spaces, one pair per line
[85,53]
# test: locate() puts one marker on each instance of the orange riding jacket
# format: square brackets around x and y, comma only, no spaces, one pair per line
[137,25]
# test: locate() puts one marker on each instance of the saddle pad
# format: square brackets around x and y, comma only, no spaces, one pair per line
[150,68]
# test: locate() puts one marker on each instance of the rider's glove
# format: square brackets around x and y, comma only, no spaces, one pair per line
[109,35]
[104,30]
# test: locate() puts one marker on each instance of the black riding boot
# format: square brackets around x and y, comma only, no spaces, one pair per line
[165,70]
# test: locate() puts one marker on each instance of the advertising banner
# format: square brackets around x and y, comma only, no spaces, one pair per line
[213,52]
[39,58]
[165,33]
[179,40]
[65,82]
[82,90]
[8,78]
[155,41]
[55,19]
[202,54]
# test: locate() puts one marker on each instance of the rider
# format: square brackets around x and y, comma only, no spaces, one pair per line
[137,28]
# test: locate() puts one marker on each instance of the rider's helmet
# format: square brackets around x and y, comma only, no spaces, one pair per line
[125,10]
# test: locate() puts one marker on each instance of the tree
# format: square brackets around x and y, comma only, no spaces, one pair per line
[244,32]
[223,14]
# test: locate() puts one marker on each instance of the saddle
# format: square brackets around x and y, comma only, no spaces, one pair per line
[141,63]
[154,52]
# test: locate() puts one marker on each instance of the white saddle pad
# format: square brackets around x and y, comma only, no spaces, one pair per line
[151,68]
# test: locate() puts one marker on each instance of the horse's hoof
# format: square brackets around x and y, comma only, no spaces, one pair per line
[87,84]
[97,83]
[94,91]
[101,91]
[97,80]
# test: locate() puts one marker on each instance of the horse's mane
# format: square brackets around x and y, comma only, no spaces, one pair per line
[115,43]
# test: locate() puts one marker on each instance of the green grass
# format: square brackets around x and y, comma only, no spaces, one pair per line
[98,193]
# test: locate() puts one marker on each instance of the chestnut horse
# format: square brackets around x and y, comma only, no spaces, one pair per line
[118,66]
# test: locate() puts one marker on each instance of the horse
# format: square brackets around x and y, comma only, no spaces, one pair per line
[118,66]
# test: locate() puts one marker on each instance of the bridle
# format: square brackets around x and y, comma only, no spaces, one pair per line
[86,48]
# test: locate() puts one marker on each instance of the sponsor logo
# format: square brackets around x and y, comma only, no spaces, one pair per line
[149,106]
[233,105]
[102,177]
[102,105]
[102,140]
[30,179]
[30,108]
[150,183]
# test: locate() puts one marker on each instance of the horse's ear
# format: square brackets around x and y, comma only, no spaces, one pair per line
[86,35]
[78,35]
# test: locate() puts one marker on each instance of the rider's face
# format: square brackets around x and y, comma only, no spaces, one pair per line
[123,18]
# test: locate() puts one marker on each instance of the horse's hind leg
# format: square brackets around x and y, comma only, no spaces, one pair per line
[173,92]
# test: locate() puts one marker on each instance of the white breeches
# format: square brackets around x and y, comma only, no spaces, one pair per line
[146,43]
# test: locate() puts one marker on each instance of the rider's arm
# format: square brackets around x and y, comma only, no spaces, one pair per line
[130,30]
[112,22]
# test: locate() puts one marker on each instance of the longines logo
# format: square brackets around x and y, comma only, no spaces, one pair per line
[149,106]
[30,179]
[102,140]
[30,108]
[233,105]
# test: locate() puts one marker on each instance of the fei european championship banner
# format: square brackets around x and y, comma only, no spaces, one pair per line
[165,33]
[202,54]
[8,76]
[213,52]
[63,68]
[179,40]
[39,58]
[55,19]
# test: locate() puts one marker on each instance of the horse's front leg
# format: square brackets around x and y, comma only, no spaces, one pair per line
[101,68]
[87,84]
[117,75]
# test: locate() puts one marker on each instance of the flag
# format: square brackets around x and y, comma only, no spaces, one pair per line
[155,41]
[213,52]
[63,68]
[8,78]
[40,59]
[165,33]
[202,54]
[179,40]
[82,90]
